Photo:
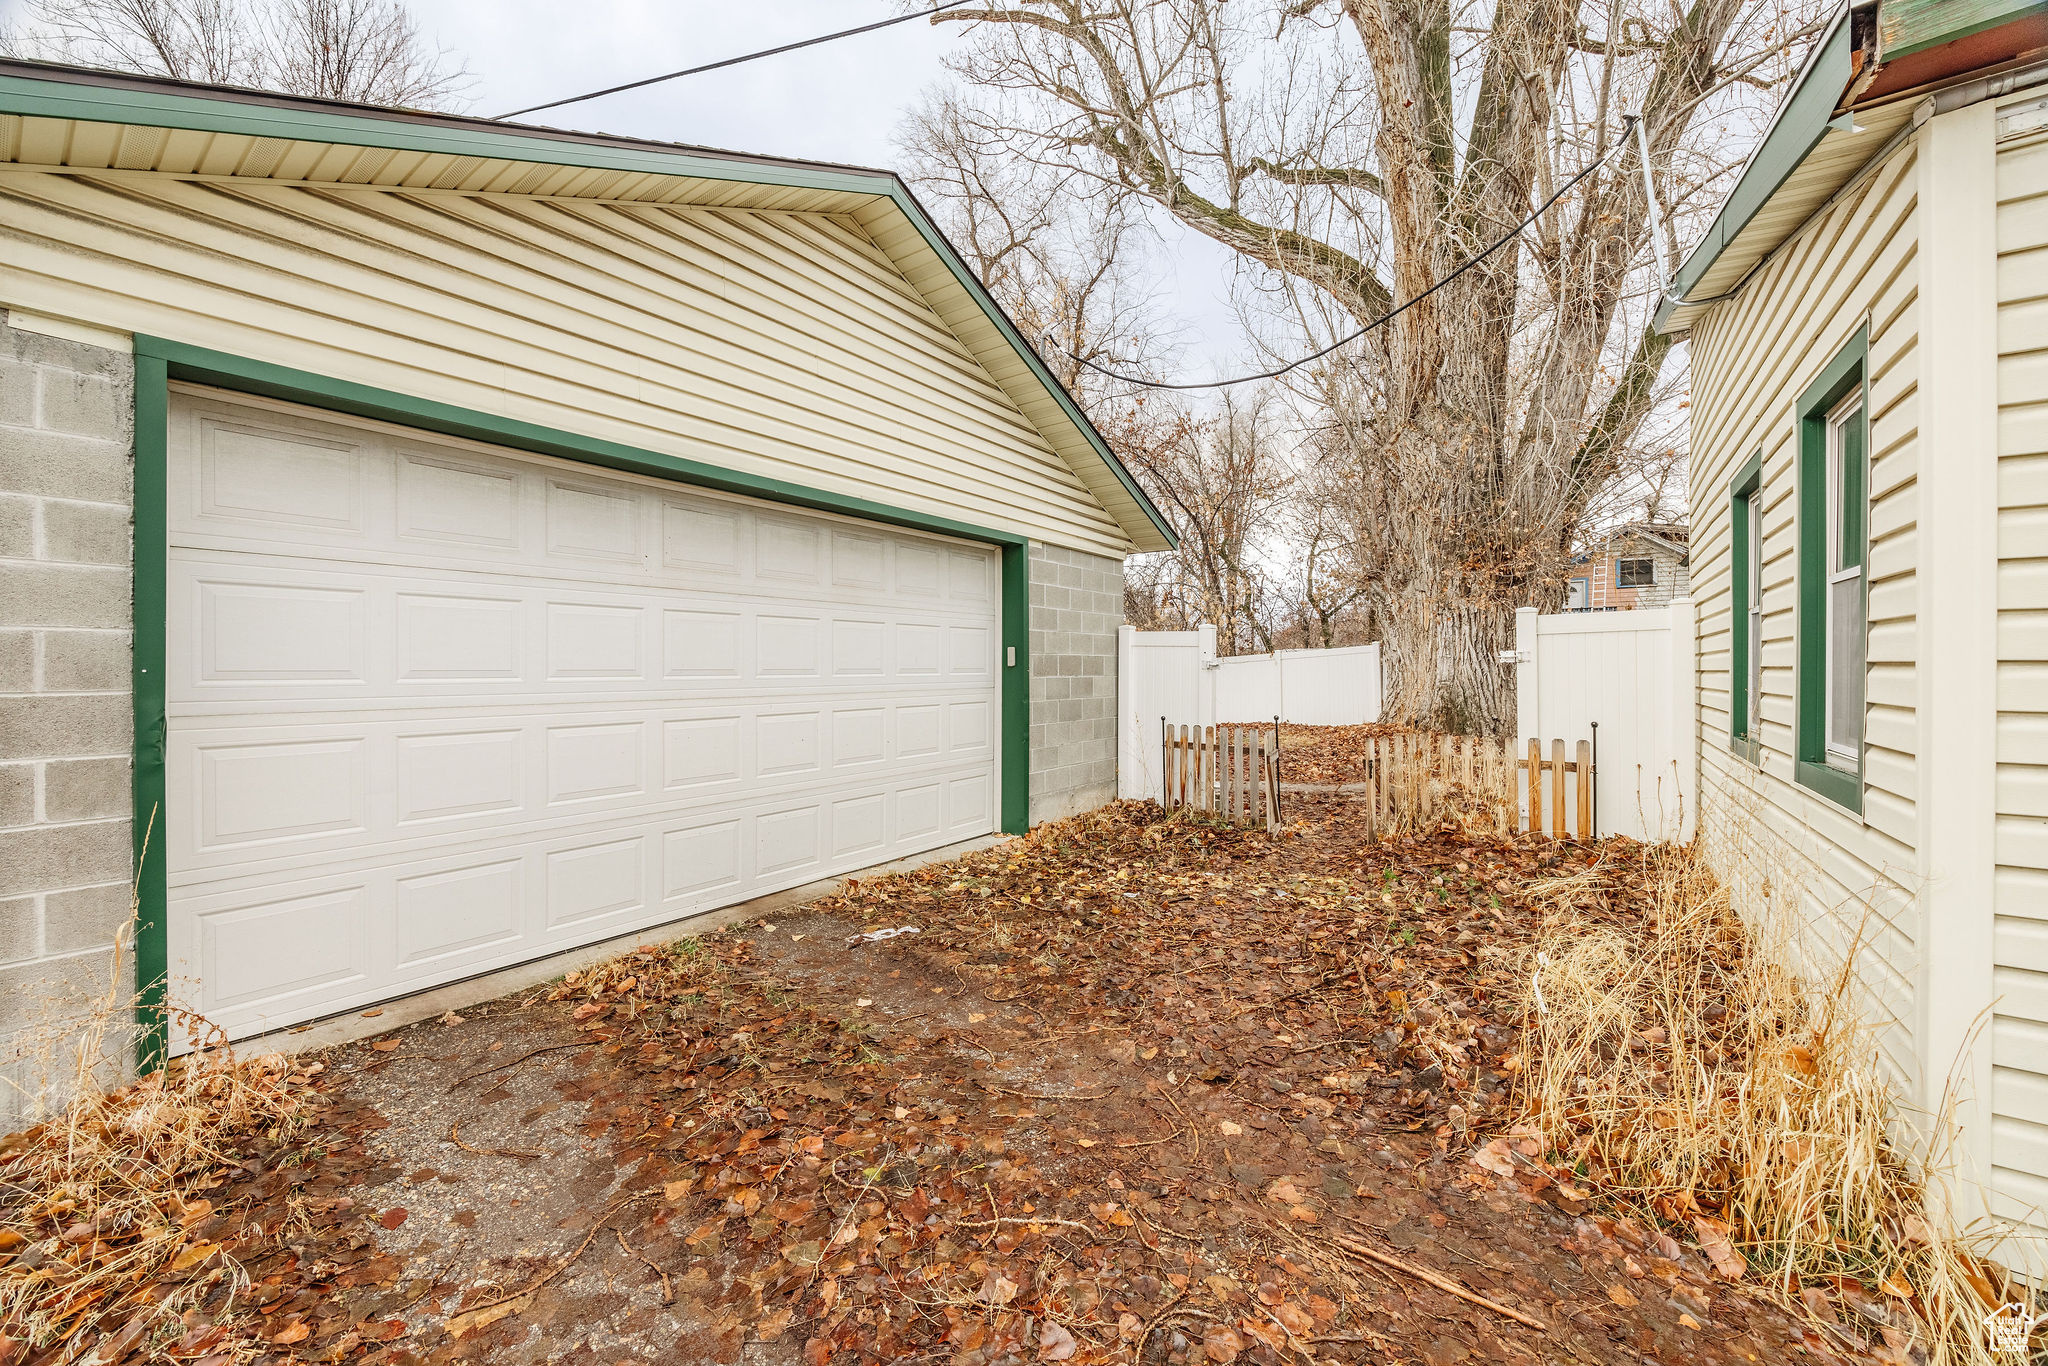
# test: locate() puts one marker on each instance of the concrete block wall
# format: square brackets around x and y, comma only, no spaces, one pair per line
[66,732]
[1077,604]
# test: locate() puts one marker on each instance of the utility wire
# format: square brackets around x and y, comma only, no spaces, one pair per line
[735,61]
[1628,122]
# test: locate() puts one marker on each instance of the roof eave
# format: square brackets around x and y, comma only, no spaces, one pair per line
[37,89]
[1798,126]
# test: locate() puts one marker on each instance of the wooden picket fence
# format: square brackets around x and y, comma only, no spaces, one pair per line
[1415,781]
[1227,771]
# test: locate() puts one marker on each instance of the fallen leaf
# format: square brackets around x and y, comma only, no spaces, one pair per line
[373,1014]
[193,1256]
[1897,1285]
[772,1327]
[299,1331]
[1297,1319]
[864,1001]
[1229,1130]
[1055,1343]
[1687,1321]
[1222,1344]
[385,1045]
[392,1218]
[1621,1295]
[1713,1236]
[475,1320]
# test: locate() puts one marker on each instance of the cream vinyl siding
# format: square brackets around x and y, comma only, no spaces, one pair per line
[2019,1136]
[1751,359]
[773,342]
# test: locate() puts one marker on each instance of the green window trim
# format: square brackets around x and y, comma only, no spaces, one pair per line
[1745,490]
[158,362]
[1848,372]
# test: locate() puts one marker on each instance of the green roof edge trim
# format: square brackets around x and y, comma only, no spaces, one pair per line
[112,98]
[1800,125]
[1983,15]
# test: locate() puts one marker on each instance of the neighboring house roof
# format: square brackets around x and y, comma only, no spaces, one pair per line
[1671,536]
[1859,90]
[60,117]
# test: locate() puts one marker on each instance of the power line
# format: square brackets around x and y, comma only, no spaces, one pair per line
[735,61]
[1628,121]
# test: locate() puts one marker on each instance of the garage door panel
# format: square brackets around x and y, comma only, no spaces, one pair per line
[267,473]
[295,944]
[439,710]
[261,628]
[448,501]
[380,783]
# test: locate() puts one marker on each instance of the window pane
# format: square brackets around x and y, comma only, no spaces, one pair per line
[1754,712]
[1756,550]
[1845,663]
[1852,488]
[1635,574]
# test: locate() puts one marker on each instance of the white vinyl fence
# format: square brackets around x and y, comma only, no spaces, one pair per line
[1176,675]
[1632,672]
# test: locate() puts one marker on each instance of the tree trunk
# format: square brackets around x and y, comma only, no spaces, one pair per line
[1441,654]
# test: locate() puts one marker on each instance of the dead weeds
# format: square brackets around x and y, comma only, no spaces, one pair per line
[1678,1066]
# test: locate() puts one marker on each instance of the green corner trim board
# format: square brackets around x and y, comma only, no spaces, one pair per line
[158,362]
[36,90]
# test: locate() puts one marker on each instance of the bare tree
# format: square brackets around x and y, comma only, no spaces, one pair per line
[1057,250]
[366,50]
[1358,152]
[369,51]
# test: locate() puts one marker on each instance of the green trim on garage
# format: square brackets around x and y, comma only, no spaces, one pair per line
[158,362]
[152,554]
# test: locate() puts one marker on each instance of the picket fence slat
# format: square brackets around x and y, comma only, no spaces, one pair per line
[1412,781]
[1225,771]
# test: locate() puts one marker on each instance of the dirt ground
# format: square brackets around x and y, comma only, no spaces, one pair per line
[1326,755]
[1136,1091]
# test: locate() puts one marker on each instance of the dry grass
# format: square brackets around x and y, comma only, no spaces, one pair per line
[1681,1067]
[100,1201]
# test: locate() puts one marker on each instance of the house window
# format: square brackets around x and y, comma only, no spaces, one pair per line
[1634,573]
[1746,630]
[1834,457]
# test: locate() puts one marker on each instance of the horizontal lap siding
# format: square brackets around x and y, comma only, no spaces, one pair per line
[779,344]
[1751,359]
[2019,1137]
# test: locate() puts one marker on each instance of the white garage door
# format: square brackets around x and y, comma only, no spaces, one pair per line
[435,707]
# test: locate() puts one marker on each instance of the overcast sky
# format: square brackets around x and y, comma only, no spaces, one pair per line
[837,102]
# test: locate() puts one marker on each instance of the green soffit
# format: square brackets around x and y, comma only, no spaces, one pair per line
[38,90]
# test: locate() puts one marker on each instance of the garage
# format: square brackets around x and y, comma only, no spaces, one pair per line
[435,707]
[478,542]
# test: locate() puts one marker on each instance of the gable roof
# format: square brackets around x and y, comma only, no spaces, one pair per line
[73,118]
[1671,536]
[1877,61]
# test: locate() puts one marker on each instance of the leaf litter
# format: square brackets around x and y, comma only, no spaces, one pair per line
[1142,1089]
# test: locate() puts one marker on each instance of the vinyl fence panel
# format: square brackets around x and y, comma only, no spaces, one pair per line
[1632,672]
[1176,674]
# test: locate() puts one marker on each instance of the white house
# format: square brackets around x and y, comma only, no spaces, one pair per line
[1868,323]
